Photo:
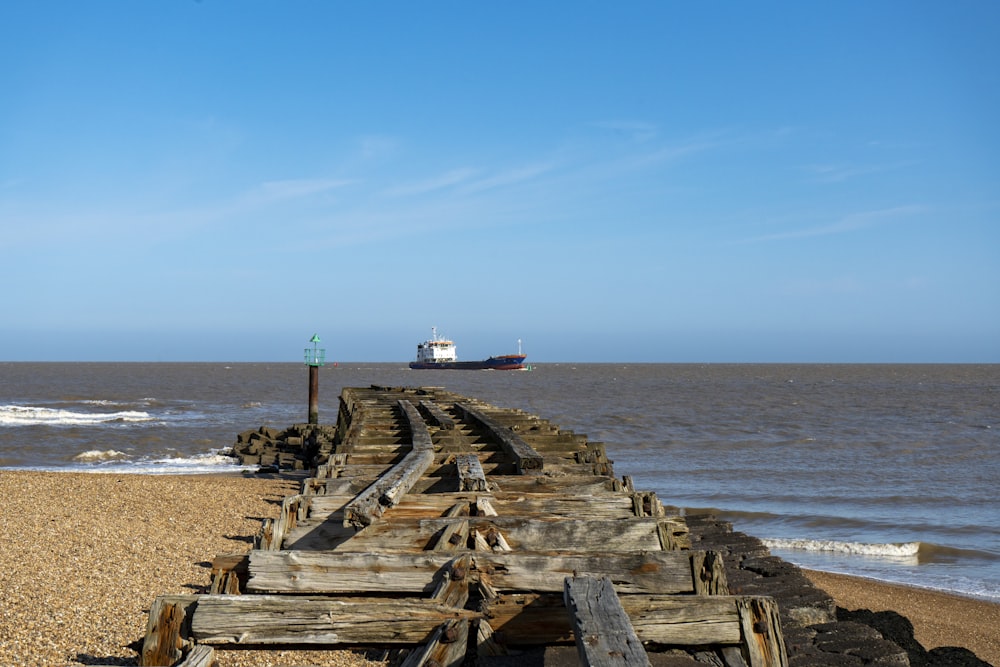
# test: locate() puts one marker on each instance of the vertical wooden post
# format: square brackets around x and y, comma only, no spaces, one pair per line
[314,359]
[313,394]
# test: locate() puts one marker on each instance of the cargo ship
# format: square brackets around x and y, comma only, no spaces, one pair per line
[440,353]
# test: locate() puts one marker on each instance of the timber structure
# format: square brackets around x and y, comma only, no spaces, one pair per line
[447,531]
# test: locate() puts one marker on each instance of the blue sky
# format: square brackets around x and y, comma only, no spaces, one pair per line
[644,181]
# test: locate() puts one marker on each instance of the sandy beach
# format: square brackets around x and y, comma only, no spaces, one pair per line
[84,556]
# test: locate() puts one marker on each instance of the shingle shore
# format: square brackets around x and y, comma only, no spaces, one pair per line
[82,557]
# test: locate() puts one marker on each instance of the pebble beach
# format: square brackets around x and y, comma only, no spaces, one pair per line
[84,555]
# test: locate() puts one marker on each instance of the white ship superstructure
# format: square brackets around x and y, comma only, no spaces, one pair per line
[436,350]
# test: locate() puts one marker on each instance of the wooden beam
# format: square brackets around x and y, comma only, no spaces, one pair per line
[199,656]
[763,642]
[671,620]
[290,619]
[446,648]
[166,629]
[542,535]
[331,572]
[453,586]
[421,437]
[470,473]
[390,487]
[526,458]
[603,632]
[438,416]
[709,573]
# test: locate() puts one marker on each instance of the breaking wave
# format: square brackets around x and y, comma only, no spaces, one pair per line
[95,455]
[902,550]
[26,415]
[113,461]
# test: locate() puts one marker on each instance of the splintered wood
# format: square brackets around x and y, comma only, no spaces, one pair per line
[453,531]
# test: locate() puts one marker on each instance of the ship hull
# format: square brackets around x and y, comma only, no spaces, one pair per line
[507,362]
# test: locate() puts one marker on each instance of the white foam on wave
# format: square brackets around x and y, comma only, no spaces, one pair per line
[209,463]
[94,455]
[114,462]
[902,550]
[27,415]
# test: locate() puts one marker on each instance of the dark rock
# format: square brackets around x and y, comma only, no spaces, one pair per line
[893,626]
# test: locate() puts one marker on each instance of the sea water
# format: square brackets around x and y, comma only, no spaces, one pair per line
[883,471]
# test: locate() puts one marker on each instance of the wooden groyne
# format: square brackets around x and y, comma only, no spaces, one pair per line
[447,531]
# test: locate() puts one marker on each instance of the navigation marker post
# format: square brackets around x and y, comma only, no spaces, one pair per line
[315,358]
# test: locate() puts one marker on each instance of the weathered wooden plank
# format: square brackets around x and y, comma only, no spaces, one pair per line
[603,632]
[166,627]
[672,531]
[453,587]
[337,486]
[277,619]
[316,572]
[674,620]
[486,643]
[386,491]
[293,508]
[484,506]
[228,571]
[199,656]
[455,536]
[569,484]
[607,505]
[426,505]
[442,466]
[653,572]
[327,504]
[491,541]
[438,416]
[542,535]
[421,437]
[446,648]
[764,642]
[709,573]
[414,467]
[470,473]
[526,458]
[332,572]
[320,532]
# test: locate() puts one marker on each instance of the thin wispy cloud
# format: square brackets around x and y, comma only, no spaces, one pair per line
[674,151]
[294,189]
[510,177]
[446,180]
[838,173]
[850,223]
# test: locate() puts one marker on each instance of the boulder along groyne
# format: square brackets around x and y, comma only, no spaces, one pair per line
[446,531]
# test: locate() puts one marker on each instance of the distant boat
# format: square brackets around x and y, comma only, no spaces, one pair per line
[439,353]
